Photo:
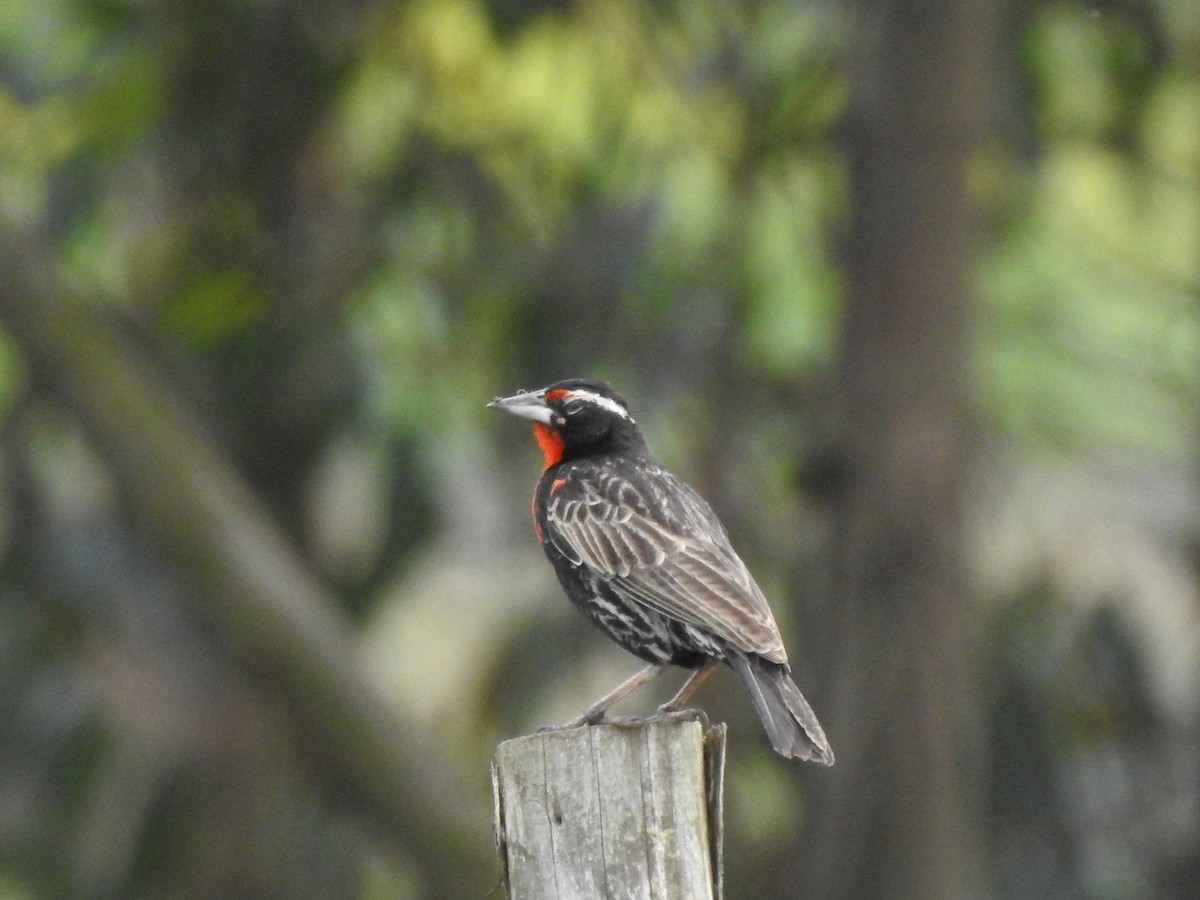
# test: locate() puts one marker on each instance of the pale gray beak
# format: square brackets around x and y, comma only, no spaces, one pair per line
[527,405]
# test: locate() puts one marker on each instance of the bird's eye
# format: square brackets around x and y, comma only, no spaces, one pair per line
[573,407]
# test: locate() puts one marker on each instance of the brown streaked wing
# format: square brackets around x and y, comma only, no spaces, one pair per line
[666,551]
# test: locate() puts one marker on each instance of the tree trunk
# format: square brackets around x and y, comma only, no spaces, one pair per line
[899,813]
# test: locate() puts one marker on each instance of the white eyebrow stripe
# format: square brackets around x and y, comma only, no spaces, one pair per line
[603,402]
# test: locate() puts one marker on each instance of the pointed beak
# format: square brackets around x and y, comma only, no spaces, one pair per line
[527,405]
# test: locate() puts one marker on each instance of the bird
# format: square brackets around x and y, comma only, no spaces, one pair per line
[646,559]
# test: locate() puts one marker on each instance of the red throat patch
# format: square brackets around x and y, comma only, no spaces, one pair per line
[549,442]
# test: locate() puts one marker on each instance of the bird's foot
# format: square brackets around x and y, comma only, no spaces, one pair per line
[588,718]
[662,714]
[665,713]
[669,713]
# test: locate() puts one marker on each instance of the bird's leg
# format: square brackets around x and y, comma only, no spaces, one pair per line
[689,687]
[596,711]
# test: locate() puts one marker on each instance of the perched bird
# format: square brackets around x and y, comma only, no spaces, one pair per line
[644,557]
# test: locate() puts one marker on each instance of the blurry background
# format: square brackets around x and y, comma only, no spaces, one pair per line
[910,291]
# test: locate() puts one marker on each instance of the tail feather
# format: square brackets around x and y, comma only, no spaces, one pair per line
[790,722]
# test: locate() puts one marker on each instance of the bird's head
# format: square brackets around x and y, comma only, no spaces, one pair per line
[575,417]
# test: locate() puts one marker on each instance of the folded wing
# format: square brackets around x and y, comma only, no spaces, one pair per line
[660,545]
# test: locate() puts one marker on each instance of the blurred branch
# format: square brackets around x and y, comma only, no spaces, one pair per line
[276,618]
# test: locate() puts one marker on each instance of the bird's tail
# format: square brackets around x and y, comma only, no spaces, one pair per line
[790,722]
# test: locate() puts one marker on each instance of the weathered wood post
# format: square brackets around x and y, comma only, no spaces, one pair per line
[624,810]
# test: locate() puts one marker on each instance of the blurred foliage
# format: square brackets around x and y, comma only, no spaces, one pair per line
[336,230]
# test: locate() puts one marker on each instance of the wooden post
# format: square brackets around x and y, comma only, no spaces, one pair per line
[627,809]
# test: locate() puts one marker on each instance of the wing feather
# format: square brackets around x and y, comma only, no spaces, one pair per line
[659,544]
